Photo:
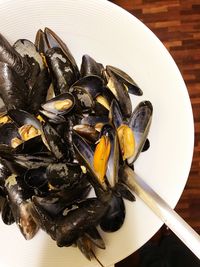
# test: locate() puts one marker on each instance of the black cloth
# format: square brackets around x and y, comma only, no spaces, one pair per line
[170,252]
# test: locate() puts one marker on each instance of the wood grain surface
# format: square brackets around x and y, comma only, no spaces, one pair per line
[177,24]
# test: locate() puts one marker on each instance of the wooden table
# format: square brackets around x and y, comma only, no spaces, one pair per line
[177,25]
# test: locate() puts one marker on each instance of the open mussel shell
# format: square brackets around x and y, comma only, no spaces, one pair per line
[85,155]
[13,90]
[90,67]
[13,59]
[114,218]
[41,42]
[119,90]
[132,87]
[52,117]
[140,122]
[60,104]
[113,160]
[115,114]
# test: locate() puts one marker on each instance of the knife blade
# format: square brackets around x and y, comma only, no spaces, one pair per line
[159,206]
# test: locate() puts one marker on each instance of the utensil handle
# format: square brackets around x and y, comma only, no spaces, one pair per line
[189,237]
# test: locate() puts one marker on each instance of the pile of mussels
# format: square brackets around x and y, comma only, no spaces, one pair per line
[63,132]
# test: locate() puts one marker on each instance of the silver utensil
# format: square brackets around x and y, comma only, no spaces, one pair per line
[188,236]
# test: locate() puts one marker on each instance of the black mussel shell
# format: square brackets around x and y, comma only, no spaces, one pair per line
[56,143]
[60,104]
[41,42]
[63,175]
[12,58]
[61,69]
[100,109]
[96,121]
[8,133]
[90,67]
[140,122]
[88,213]
[43,219]
[85,156]
[114,218]
[31,161]
[53,41]
[21,117]
[31,146]
[120,92]
[92,84]
[13,90]
[132,87]
[123,191]
[115,114]
[93,234]
[88,132]
[85,246]
[6,213]
[146,145]
[4,172]
[113,160]
[84,100]
[28,51]
[38,94]
[36,178]
[52,117]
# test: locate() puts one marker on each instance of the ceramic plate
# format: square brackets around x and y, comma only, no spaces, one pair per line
[111,36]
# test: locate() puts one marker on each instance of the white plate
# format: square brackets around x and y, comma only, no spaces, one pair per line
[112,36]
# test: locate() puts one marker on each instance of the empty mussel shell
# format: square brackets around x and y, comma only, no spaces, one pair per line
[131,85]
[140,122]
[119,90]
